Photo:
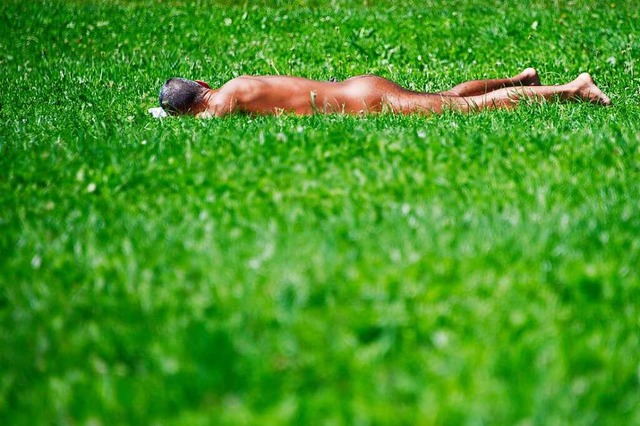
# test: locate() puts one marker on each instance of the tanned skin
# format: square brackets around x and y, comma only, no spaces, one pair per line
[265,95]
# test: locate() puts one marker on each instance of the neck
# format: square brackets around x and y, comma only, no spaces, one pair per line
[207,103]
[208,95]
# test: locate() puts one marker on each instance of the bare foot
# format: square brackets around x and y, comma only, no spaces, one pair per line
[587,90]
[528,77]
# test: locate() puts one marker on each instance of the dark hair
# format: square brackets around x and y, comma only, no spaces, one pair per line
[180,96]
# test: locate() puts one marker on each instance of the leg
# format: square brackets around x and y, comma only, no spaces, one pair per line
[528,77]
[582,88]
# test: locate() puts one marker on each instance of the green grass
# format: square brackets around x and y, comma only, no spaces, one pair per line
[455,269]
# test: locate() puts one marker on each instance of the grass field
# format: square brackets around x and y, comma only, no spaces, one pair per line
[455,269]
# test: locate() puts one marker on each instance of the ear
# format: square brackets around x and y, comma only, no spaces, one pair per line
[202,83]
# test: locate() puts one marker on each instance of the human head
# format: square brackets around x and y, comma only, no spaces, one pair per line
[182,96]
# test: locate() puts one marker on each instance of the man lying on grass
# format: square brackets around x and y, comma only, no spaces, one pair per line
[260,95]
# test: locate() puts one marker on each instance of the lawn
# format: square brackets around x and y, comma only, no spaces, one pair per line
[453,269]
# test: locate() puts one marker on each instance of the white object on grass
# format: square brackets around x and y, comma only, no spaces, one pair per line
[157,112]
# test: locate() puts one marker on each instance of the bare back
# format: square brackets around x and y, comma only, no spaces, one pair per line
[276,94]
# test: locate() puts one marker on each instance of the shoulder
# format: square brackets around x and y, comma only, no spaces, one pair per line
[242,83]
[243,88]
